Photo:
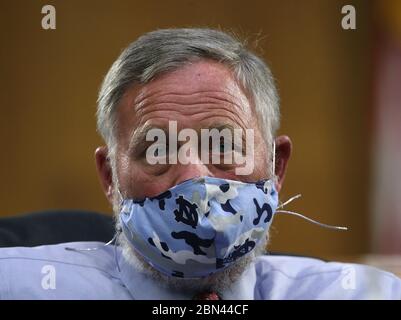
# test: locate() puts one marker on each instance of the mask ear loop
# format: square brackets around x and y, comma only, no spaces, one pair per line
[113,240]
[296,197]
[274,160]
[304,217]
[120,196]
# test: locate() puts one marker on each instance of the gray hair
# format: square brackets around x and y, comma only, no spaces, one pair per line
[166,50]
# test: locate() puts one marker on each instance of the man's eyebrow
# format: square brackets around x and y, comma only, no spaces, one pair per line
[222,126]
[138,136]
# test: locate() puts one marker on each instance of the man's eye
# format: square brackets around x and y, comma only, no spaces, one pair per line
[223,148]
[160,152]
[157,151]
[226,147]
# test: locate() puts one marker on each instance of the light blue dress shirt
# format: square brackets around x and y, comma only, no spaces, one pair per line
[52,272]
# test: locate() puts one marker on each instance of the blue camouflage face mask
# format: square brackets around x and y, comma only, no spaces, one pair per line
[200,226]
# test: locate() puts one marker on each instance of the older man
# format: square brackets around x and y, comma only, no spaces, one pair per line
[192,217]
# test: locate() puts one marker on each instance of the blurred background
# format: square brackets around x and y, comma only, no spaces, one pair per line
[340,102]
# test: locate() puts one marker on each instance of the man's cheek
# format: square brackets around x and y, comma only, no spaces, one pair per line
[261,167]
[143,184]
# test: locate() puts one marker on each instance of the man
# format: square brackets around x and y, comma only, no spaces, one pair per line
[188,225]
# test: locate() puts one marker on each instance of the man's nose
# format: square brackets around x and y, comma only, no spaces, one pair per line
[184,172]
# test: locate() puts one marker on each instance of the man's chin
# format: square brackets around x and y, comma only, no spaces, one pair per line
[219,281]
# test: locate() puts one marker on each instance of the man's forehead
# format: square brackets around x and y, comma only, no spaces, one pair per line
[205,91]
[192,82]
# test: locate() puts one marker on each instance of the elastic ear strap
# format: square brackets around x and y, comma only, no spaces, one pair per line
[120,195]
[279,210]
[274,159]
[118,191]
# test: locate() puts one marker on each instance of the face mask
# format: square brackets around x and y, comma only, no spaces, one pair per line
[200,226]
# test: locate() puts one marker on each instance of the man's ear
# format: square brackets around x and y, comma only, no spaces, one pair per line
[283,152]
[104,171]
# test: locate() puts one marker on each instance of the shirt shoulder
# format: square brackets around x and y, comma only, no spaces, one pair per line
[55,272]
[288,277]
